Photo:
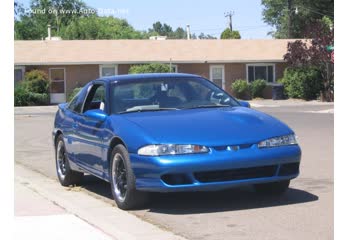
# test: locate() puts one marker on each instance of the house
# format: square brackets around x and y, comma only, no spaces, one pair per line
[70,64]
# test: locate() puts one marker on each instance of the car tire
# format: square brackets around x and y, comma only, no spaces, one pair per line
[122,180]
[65,174]
[274,188]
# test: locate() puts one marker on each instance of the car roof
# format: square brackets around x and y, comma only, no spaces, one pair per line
[145,76]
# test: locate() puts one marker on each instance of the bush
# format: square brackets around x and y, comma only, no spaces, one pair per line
[150,68]
[241,89]
[33,91]
[302,82]
[75,92]
[23,97]
[36,81]
[258,87]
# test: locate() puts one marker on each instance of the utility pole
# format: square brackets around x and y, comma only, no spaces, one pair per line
[289,18]
[229,15]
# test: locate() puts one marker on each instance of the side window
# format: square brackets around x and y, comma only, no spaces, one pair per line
[77,102]
[96,98]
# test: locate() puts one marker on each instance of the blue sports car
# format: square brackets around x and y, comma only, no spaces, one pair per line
[170,132]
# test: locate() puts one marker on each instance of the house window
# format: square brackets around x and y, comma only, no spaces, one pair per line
[19,74]
[261,71]
[108,70]
[217,75]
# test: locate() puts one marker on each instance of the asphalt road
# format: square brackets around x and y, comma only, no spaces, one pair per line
[304,212]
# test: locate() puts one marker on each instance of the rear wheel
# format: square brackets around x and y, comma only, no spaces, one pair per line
[122,181]
[275,188]
[65,175]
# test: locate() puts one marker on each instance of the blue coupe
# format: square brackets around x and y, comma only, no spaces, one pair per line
[170,132]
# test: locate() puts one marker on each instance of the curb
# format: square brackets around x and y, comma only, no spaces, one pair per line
[109,219]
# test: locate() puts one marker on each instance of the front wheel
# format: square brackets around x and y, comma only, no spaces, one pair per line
[122,181]
[275,188]
[65,175]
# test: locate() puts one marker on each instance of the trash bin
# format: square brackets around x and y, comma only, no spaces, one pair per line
[278,92]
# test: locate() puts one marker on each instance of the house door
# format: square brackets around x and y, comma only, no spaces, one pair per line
[217,75]
[57,85]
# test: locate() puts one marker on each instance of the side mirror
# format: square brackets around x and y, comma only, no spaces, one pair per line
[244,104]
[96,114]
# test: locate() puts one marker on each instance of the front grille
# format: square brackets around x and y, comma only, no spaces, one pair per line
[289,169]
[236,174]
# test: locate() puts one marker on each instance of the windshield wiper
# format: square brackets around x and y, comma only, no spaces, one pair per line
[207,106]
[147,110]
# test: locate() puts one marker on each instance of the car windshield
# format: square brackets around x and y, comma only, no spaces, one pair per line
[167,94]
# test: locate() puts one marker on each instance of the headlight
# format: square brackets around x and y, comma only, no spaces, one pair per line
[171,149]
[278,141]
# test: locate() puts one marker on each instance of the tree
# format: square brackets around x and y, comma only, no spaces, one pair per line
[302,14]
[94,27]
[161,29]
[315,54]
[179,33]
[228,34]
[32,23]
[205,36]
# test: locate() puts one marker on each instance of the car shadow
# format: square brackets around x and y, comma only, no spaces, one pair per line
[242,198]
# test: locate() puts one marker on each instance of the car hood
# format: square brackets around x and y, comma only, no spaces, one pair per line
[209,127]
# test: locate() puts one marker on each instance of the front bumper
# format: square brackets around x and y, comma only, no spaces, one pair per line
[215,170]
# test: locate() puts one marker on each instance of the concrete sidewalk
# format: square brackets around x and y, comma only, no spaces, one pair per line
[287,103]
[45,210]
[39,218]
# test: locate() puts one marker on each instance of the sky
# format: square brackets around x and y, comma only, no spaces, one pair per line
[206,16]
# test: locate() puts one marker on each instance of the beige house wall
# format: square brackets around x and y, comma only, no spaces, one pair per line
[79,75]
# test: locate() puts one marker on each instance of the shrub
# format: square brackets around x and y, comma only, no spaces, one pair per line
[150,68]
[34,90]
[258,87]
[75,92]
[302,82]
[23,97]
[241,89]
[36,81]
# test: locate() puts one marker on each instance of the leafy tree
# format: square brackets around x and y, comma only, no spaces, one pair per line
[303,13]
[228,34]
[161,29]
[94,27]
[179,33]
[205,36]
[302,54]
[18,9]
[32,23]
[150,68]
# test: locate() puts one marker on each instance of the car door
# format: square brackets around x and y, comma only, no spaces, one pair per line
[71,118]
[89,132]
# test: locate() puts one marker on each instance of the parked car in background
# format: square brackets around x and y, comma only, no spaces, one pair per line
[170,132]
